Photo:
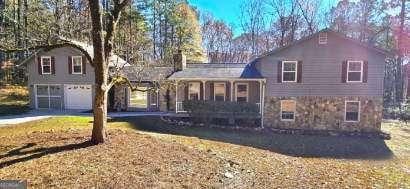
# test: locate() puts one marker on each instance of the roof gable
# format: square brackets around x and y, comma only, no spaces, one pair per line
[333,33]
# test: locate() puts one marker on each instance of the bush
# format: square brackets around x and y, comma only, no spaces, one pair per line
[206,111]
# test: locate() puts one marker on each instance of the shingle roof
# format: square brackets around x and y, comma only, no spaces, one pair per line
[113,61]
[227,70]
[371,47]
[134,73]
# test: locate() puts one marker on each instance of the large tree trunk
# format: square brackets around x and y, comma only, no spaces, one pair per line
[100,107]
[103,47]
[101,76]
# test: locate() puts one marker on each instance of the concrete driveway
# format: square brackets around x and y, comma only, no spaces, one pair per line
[37,115]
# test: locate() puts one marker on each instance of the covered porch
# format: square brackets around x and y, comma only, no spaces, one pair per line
[219,89]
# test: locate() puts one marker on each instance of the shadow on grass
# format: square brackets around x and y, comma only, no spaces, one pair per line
[13,109]
[293,145]
[37,152]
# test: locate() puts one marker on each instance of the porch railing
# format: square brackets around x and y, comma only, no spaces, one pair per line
[180,107]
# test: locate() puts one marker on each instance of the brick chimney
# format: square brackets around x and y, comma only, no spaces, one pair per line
[179,61]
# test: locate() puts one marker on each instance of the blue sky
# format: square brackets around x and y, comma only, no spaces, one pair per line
[228,10]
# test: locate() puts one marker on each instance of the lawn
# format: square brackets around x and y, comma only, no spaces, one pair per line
[147,153]
[13,100]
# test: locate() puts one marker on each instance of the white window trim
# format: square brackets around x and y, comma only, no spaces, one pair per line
[224,90]
[358,115]
[72,65]
[361,71]
[322,38]
[49,96]
[199,92]
[247,91]
[294,113]
[42,66]
[296,71]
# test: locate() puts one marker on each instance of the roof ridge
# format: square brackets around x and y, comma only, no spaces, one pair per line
[320,31]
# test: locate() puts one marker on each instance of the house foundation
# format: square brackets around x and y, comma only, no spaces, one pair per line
[325,113]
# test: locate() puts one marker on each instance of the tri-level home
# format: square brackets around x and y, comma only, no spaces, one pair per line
[325,81]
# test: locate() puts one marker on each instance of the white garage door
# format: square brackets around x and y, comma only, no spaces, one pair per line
[78,97]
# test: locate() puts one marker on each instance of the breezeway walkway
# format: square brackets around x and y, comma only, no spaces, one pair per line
[37,115]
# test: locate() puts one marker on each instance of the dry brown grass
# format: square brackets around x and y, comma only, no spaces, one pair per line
[54,153]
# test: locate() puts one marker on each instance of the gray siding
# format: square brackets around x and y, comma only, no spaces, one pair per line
[61,75]
[61,66]
[322,69]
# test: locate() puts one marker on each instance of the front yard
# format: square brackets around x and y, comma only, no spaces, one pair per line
[145,152]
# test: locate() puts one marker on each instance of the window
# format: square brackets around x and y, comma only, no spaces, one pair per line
[219,91]
[48,96]
[242,92]
[288,109]
[352,111]
[194,90]
[354,71]
[77,64]
[322,38]
[46,65]
[289,69]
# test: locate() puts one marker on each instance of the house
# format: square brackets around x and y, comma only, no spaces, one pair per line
[325,81]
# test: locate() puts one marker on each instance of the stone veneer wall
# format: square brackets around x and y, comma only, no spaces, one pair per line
[325,113]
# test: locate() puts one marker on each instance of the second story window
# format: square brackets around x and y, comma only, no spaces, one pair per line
[46,65]
[77,65]
[354,71]
[289,71]
[194,89]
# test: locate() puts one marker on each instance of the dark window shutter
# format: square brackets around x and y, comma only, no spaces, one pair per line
[70,65]
[84,64]
[279,71]
[53,65]
[344,71]
[365,71]
[40,72]
[299,72]
[186,90]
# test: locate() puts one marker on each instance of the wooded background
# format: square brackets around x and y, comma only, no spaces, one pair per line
[153,30]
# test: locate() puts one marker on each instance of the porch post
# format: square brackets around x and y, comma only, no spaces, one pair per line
[263,101]
[231,83]
[176,96]
[203,90]
[260,96]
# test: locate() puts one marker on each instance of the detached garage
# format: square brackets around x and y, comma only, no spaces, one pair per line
[78,97]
